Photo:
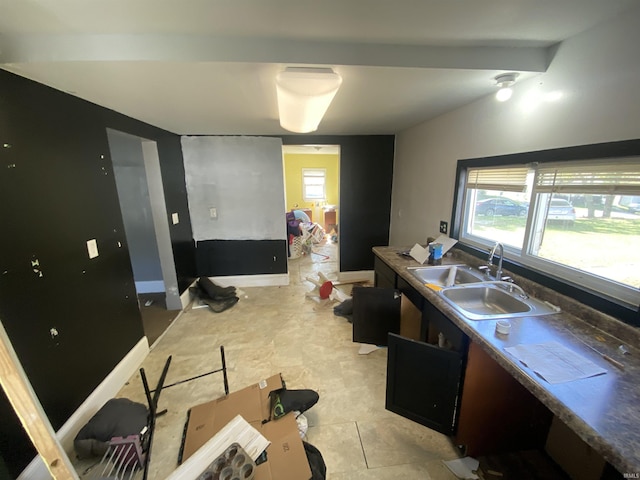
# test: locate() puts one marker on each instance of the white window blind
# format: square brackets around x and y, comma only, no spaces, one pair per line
[612,177]
[313,184]
[506,179]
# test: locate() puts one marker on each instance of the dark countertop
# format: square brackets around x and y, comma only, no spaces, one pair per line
[604,410]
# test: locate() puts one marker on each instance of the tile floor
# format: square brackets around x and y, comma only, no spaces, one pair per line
[278,329]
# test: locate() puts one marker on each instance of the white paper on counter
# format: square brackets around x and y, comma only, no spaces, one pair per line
[419,253]
[554,362]
[447,243]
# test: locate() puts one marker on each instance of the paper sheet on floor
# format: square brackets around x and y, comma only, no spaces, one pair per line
[463,468]
[554,362]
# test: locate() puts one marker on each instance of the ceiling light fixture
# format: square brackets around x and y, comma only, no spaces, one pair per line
[304,95]
[504,82]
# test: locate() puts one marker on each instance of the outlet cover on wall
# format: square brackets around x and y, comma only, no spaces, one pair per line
[444,226]
[175,219]
[92,248]
[213,212]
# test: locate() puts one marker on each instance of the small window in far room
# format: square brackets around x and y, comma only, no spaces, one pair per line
[313,184]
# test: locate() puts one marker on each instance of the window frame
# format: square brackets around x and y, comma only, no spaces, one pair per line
[589,296]
[324,184]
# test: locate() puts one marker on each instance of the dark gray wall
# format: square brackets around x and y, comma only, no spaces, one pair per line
[57,190]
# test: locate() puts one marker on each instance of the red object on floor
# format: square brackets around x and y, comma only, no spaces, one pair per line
[325,290]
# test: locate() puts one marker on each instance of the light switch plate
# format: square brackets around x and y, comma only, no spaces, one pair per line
[174,218]
[92,248]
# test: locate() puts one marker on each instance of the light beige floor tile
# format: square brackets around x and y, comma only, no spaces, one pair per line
[340,446]
[413,471]
[397,441]
[280,330]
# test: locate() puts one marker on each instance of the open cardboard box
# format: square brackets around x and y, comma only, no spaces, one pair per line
[286,458]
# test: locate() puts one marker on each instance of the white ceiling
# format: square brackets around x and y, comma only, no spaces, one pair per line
[209,66]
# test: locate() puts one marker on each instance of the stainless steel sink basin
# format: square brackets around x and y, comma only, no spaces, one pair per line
[488,302]
[438,275]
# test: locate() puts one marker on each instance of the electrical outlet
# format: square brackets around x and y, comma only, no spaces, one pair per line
[443,227]
[213,212]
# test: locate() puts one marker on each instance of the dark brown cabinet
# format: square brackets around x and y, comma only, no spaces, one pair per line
[376,312]
[423,383]
[438,378]
[423,379]
[384,276]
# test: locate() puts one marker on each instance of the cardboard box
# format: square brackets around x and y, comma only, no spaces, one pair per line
[286,459]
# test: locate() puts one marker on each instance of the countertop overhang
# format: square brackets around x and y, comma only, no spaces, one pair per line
[604,411]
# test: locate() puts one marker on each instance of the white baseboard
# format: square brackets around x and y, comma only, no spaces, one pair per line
[359,276]
[275,280]
[187,297]
[151,286]
[107,390]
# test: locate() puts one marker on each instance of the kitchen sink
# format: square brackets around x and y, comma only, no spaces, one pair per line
[438,275]
[490,301]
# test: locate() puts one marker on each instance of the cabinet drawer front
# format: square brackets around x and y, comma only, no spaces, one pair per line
[385,273]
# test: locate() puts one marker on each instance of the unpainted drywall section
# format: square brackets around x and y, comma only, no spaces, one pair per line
[589,95]
[243,179]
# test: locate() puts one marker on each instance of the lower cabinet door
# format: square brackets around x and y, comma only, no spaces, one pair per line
[423,383]
[376,312]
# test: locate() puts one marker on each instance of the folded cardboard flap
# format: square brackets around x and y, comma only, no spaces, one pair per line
[286,458]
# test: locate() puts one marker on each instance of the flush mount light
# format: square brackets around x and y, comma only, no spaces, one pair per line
[504,83]
[304,95]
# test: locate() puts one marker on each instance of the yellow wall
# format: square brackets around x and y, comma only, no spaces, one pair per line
[293,165]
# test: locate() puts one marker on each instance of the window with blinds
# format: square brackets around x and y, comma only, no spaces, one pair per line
[607,178]
[510,179]
[578,221]
[497,203]
[313,184]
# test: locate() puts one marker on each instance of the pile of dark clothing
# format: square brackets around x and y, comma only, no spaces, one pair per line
[345,309]
[216,297]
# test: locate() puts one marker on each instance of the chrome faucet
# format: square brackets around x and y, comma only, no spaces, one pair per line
[498,245]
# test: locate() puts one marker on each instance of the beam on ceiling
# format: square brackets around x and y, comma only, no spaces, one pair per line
[190,48]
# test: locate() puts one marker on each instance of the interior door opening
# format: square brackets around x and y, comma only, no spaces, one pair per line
[312,187]
[138,177]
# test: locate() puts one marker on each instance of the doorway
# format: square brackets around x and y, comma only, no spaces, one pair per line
[312,185]
[136,167]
